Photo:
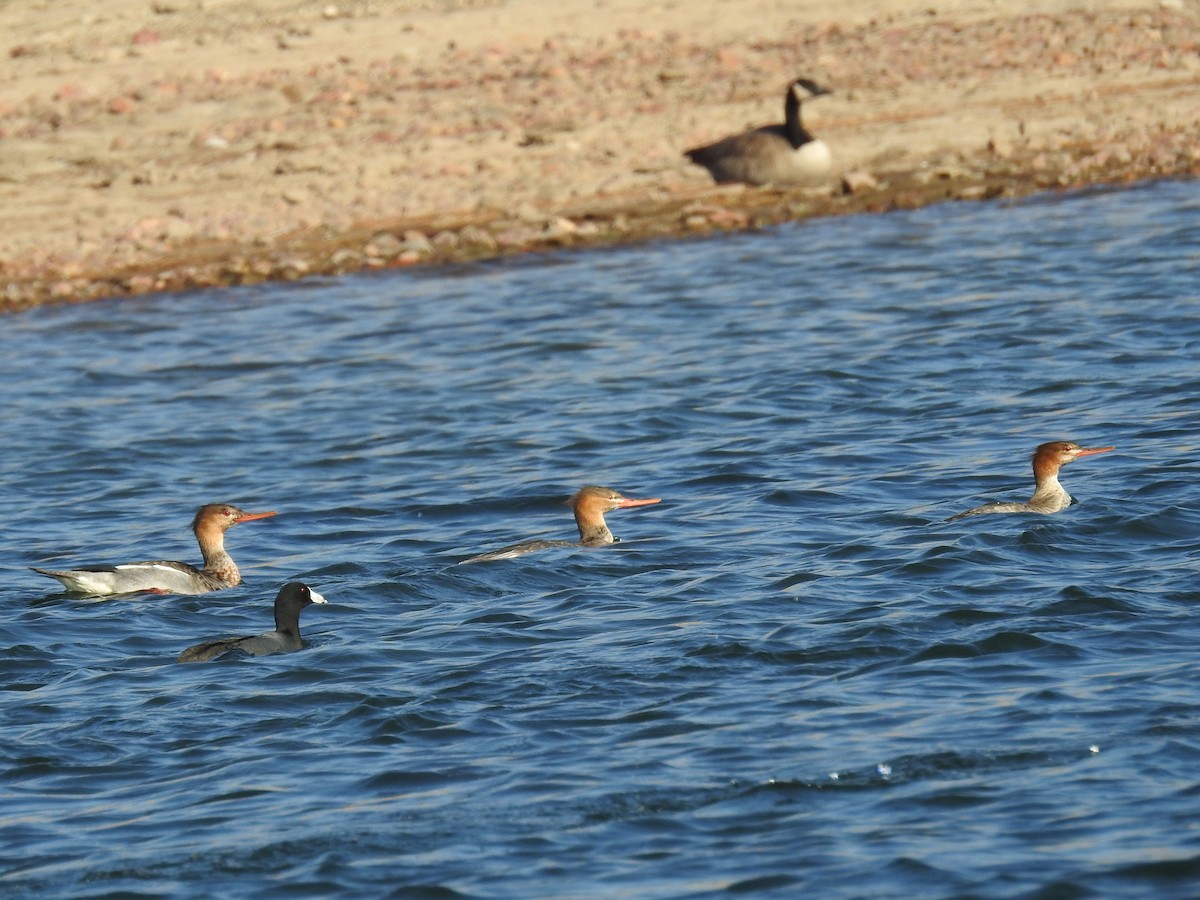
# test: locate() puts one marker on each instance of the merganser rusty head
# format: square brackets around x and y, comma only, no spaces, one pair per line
[224,516]
[1049,457]
[591,503]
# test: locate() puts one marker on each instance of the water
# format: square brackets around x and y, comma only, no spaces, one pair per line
[790,678]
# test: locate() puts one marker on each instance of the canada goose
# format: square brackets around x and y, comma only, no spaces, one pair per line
[775,154]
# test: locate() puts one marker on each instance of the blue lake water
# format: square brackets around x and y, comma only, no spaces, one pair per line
[790,678]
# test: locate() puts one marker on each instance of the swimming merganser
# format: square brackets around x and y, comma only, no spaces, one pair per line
[166,577]
[292,598]
[775,154]
[1049,496]
[589,504]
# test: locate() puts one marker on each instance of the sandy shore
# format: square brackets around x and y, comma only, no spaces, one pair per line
[150,145]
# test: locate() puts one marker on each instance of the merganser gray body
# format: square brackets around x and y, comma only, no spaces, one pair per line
[589,505]
[1048,496]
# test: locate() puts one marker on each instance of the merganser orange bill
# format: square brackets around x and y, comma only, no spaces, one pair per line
[164,576]
[589,505]
[1048,496]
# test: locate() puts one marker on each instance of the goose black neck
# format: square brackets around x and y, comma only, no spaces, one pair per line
[796,134]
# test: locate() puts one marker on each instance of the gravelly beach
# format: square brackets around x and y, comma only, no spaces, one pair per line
[150,146]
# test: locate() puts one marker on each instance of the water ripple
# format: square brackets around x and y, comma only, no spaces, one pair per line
[792,677]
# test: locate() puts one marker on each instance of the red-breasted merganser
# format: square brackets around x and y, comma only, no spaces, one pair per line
[166,577]
[292,598]
[589,504]
[1049,496]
